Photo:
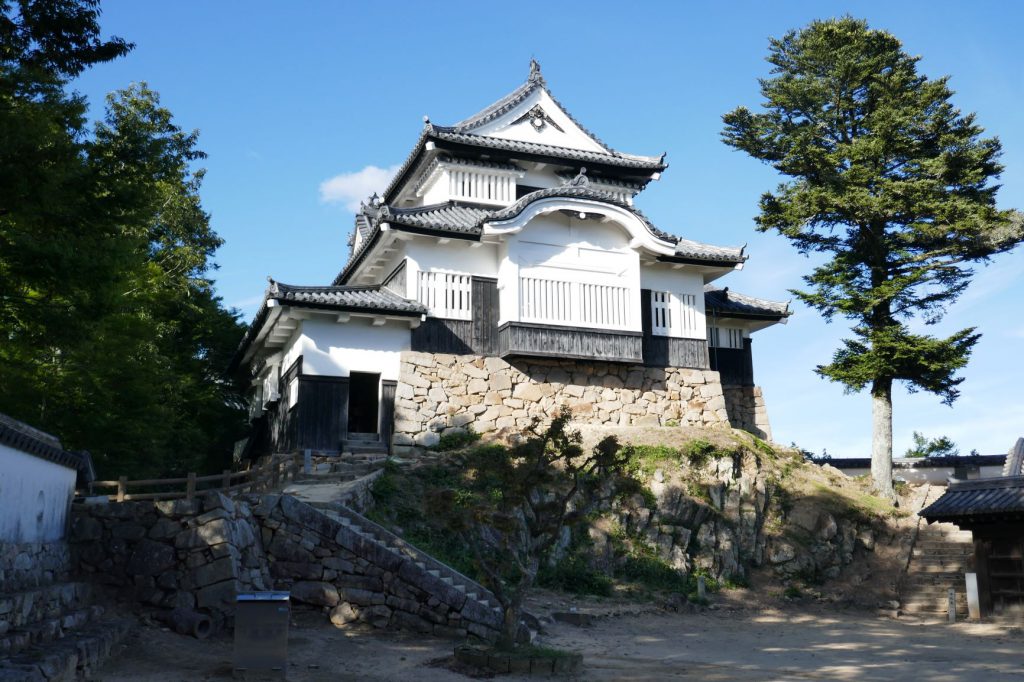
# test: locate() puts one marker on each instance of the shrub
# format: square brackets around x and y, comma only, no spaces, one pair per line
[454,439]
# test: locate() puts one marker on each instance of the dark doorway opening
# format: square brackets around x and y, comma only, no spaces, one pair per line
[363,402]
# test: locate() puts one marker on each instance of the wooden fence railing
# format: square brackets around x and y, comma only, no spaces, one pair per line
[266,476]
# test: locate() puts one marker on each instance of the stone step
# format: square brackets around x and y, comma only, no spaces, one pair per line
[40,603]
[47,630]
[75,656]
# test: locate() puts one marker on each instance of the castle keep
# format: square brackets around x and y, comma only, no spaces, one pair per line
[505,271]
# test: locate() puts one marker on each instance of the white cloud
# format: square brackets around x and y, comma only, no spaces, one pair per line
[351,188]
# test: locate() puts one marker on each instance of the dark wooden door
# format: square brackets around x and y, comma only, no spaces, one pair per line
[363,402]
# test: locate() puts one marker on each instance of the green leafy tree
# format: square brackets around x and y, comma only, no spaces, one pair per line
[893,187]
[112,335]
[512,504]
[932,447]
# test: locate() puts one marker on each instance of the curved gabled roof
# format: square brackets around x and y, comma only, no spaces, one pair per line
[467,220]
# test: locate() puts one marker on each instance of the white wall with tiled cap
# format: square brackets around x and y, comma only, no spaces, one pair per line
[35,495]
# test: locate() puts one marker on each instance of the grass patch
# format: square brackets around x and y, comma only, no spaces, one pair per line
[574,574]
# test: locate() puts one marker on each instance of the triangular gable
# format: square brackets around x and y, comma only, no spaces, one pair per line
[531,114]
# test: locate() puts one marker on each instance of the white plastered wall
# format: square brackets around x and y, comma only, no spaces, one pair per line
[457,256]
[570,136]
[554,246]
[35,495]
[679,281]
[331,348]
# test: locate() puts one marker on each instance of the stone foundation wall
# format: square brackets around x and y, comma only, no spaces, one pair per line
[27,565]
[173,554]
[747,411]
[437,392]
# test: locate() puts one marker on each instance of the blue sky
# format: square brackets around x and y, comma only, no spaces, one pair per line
[288,96]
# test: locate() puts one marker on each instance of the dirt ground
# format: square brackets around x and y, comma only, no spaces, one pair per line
[629,641]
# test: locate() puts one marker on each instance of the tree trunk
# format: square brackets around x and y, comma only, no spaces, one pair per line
[881,438]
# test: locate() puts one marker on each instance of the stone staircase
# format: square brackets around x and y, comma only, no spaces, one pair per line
[364,443]
[55,632]
[480,605]
[942,554]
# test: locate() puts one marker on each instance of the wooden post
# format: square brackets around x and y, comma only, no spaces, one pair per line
[702,590]
[190,489]
[122,487]
[275,473]
[952,605]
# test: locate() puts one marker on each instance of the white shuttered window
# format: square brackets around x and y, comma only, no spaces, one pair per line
[592,305]
[725,337]
[673,314]
[446,295]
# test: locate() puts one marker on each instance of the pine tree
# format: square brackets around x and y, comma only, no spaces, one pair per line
[893,186]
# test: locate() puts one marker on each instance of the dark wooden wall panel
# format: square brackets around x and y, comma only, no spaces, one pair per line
[437,335]
[485,316]
[734,365]
[323,412]
[520,339]
[387,411]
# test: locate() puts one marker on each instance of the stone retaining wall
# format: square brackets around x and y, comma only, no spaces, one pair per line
[172,554]
[437,392]
[32,564]
[747,411]
[353,579]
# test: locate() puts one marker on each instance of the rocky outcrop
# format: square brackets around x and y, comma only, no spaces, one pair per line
[438,392]
[729,516]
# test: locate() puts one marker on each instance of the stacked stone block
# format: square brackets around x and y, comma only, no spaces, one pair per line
[437,392]
[191,554]
[329,562]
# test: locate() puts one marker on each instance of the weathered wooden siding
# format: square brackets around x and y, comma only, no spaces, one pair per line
[485,316]
[478,335]
[666,351]
[387,411]
[522,339]
[323,412]
[734,365]
[437,335]
[396,281]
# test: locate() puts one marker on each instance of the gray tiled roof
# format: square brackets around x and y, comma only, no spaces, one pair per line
[370,298]
[451,216]
[981,499]
[21,436]
[651,163]
[725,302]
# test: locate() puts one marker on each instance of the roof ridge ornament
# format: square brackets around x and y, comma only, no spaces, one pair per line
[581,179]
[535,74]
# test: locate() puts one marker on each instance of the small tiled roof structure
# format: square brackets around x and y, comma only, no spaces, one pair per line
[345,298]
[984,500]
[21,436]
[366,299]
[727,303]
